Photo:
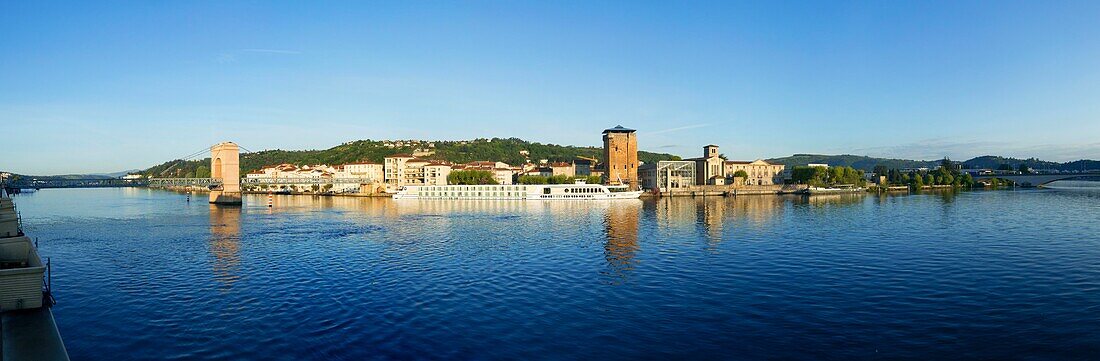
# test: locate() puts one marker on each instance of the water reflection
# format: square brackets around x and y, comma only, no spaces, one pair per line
[621,246]
[710,214]
[225,239]
[827,200]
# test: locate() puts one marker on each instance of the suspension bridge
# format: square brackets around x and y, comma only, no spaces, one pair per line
[224,183]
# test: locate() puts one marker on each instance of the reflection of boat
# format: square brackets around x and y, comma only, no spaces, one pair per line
[579,191]
[841,188]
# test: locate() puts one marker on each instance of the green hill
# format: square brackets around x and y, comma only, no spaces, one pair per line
[984,162]
[496,149]
[855,161]
[993,162]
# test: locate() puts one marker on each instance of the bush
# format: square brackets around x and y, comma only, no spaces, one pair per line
[471,177]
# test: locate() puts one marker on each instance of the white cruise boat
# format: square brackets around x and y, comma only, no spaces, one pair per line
[579,191]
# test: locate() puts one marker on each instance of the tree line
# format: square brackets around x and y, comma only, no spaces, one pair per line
[825,177]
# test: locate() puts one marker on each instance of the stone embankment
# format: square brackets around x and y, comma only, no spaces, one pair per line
[729,190]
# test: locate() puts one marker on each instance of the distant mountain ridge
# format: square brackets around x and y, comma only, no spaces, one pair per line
[984,162]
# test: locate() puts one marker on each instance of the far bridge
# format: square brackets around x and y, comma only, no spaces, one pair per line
[44,183]
[1038,180]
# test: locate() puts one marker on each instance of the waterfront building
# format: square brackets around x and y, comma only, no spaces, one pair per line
[667,174]
[563,168]
[394,168]
[759,171]
[539,171]
[435,173]
[620,146]
[583,166]
[502,172]
[368,170]
[712,169]
[404,169]
[709,169]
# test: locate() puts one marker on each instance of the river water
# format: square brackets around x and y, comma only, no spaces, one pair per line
[146,275]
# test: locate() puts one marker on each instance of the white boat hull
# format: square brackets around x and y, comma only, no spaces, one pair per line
[567,192]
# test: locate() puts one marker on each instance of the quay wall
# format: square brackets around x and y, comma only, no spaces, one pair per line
[729,190]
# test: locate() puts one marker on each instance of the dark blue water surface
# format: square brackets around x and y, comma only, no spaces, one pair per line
[144,275]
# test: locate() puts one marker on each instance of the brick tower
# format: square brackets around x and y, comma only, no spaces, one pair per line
[620,149]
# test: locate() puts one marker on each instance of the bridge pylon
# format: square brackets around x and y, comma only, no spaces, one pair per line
[225,165]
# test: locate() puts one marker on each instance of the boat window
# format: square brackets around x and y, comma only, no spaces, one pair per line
[545,190]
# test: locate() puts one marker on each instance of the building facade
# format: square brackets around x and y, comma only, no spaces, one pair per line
[667,174]
[502,172]
[708,168]
[394,167]
[563,168]
[621,153]
[364,170]
[760,172]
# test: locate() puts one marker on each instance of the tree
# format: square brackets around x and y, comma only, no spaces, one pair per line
[967,180]
[741,173]
[471,177]
[560,179]
[929,179]
[1024,169]
[1006,166]
[948,166]
[916,181]
[202,171]
[882,170]
[814,176]
[532,179]
[594,179]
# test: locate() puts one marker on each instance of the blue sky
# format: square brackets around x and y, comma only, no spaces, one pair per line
[107,86]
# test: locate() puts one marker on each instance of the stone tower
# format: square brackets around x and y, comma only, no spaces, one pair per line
[710,151]
[225,165]
[620,149]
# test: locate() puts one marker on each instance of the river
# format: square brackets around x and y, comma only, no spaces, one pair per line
[144,274]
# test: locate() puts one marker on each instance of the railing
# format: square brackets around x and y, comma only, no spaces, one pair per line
[75,183]
[180,182]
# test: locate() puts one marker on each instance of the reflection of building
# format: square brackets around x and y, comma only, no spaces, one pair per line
[225,238]
[620,147]
[667,174]
[621,224]
[712,216]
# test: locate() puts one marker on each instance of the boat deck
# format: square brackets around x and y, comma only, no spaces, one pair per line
[32,335]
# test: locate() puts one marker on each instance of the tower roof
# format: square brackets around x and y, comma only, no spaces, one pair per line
[618,129]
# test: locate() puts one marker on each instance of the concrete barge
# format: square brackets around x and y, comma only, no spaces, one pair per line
[28,330]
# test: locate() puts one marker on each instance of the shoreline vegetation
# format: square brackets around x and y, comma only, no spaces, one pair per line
[948,174]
